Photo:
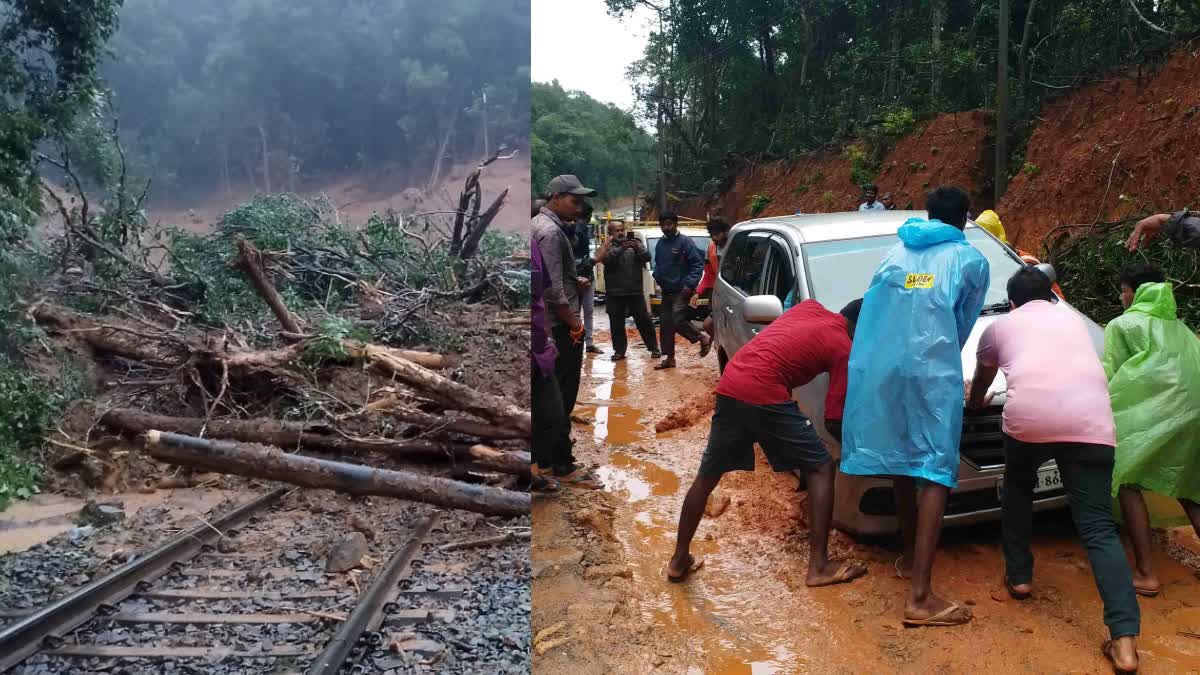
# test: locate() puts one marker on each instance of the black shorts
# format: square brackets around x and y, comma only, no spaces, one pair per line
[787,438]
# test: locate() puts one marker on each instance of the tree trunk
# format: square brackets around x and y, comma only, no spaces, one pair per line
[1023,54]
[274,464]
[937,20]
[251,263]
[441,152]
[471,243]
[266,157]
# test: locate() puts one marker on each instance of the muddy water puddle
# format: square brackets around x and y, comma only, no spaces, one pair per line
[42,517]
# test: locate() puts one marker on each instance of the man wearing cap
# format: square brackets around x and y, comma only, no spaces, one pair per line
[554,230]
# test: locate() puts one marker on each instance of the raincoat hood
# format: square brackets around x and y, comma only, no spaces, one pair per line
[919,233]
[990,221]
[1155,299]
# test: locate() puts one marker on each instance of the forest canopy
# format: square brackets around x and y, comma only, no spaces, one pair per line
[768,78]
[576,134]
[272,92]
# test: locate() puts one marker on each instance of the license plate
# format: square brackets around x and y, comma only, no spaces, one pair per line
[655,301]
[1047,479]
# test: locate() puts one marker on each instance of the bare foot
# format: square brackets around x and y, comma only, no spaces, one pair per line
[1123,653]
[935,611]
[835,572]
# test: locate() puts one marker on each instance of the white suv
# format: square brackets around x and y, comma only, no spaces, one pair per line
[831,258]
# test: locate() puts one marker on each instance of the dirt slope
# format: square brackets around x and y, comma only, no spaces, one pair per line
[1109,150]
[951,148]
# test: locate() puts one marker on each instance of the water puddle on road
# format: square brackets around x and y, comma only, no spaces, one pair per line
[713,615]
[613,424]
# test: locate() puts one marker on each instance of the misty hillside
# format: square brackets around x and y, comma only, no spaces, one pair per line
[225,97]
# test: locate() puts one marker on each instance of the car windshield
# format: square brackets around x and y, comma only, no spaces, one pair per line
[701,242]
[840,271]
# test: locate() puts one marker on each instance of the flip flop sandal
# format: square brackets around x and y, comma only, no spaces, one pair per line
[694,565]
[942,618]
[664,366]
[845,574]
[1146,592]
[705,349]
[581,479]
[544,485]
[1106,650]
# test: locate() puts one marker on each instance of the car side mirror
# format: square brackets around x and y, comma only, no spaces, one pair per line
[761,309]
[1048,270]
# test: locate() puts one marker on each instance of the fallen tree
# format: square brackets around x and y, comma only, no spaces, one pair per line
[315,436]
[259,461]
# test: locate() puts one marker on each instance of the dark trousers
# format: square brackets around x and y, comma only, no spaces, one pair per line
[623,306]
[1086,472]
[551,429]
[673,318]
[568,368]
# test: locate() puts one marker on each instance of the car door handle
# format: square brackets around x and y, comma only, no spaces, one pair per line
[729,311]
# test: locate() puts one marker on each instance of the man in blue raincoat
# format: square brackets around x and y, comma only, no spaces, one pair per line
[904,401]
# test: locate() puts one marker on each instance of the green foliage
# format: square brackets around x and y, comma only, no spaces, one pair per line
[758,203]
[864,162]
[1088,267]
[1030,169]
[576,134]
[776,77]
[49,53]
[29,407]
[324,86]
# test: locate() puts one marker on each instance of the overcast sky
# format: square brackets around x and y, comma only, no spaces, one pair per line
[577,43]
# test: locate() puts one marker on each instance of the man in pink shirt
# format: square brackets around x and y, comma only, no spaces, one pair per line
[1057,407]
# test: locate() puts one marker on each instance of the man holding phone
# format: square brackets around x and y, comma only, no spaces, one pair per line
[624,258]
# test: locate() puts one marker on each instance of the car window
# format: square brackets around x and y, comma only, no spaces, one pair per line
[840,271]
[749,275]
[651,244]
[777,278]
[735,254]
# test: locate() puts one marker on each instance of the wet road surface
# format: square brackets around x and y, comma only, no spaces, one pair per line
[748,611]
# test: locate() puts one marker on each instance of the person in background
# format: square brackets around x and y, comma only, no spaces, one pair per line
[1152,360]
[584,267]
[551,441]
[869,202]
[678,265]
[718,233]
[990,221]
[1057,408]
[754,405]
[553,229]
[889,203]
[624,258]
[904,404]
[1182,228]
[537,207]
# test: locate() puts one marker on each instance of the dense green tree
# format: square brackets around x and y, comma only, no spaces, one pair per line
[271,93]
[574,133]
[49,52]
[772,77]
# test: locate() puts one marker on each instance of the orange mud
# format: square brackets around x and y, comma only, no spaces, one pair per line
[1110,150]
[599,560]
[696,409]
[952,148]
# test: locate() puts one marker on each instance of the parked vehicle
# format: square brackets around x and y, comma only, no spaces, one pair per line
[831,258]
[649,237]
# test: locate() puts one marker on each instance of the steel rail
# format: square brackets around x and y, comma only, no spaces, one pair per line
[367,614]
[48,624]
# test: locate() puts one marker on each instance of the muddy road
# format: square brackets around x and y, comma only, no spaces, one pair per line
[602,604]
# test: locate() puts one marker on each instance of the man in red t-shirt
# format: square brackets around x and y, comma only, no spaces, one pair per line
[754,405]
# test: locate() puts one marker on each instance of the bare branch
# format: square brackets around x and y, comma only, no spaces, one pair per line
[1145,20]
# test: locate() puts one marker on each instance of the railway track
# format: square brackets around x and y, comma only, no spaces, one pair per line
[196,603]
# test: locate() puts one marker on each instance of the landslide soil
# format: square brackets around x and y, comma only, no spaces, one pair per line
[1109,150]
[951,148]
[599,556]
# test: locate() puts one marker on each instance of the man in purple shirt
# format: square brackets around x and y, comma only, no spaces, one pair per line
[551,442]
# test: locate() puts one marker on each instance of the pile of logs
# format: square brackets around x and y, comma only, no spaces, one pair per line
[460,426]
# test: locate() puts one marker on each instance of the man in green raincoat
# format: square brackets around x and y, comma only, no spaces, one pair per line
[1152,360]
